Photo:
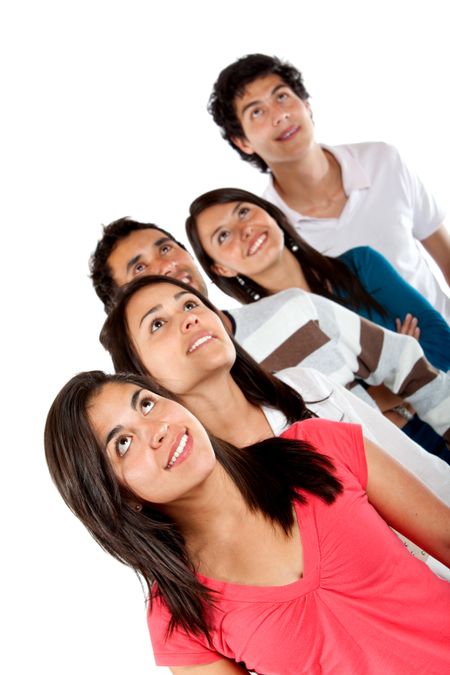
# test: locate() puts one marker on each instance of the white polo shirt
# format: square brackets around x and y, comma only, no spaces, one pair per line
[387,208]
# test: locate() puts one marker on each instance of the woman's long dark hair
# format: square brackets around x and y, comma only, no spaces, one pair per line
[325,276]
[258,386]
[267,474]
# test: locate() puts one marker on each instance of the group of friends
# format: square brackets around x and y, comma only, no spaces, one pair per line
[278,473]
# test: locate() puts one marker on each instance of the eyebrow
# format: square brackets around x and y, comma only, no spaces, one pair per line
[119,427]
[133,261]
[219,227]
[134,398]
[112,433]
[154,309]
[138,256]
[259,101]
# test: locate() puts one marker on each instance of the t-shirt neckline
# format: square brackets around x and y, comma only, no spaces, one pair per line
[307,583]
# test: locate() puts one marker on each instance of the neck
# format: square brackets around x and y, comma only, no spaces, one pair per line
[285,273]
[222,408]
[311,179]
[201,516]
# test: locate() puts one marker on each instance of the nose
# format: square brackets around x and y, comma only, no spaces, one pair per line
[158,432]
[189,322]
[246,231]
[279,116]
[167,268]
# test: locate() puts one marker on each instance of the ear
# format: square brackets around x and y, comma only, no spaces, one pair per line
[309,109]
[135,505]
[243,145]
[223,271]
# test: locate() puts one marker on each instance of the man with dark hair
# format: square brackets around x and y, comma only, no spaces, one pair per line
[336,197]
[232,83]
[287,328]
[129,248]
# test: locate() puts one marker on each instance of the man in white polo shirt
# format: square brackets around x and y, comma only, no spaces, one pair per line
[336,197]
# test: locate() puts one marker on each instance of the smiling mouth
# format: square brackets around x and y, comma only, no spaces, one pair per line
[178,451]
[254,248]
[289,133]
[185,278]
[199,342]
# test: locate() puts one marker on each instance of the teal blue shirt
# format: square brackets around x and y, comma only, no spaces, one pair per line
[398,298]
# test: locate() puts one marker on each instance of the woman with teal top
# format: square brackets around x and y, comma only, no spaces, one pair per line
[395,296]
[248,248]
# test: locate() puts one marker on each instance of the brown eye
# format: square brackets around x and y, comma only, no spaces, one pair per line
[147,405]
[222,236]
[140,267]
[156,325]
[123,445]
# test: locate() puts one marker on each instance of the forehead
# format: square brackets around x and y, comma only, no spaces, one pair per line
[257,90]
[107,405]
[154,295]
[112,393]
[159,291]
[216,215]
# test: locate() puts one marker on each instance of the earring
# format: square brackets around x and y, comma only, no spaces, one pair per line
[247,288]
[290,243]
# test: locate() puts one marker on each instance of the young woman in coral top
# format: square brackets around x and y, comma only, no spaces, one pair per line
[274,557]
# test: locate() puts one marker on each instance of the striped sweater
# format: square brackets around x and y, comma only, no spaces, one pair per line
[293,327]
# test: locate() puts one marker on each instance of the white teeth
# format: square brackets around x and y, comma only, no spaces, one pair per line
[289,133]
[257,244]
[179,451]
[199,342]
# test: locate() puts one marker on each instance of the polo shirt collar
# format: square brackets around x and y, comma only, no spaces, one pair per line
[353,175]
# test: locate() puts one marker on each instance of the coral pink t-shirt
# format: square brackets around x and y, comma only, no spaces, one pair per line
[364,605]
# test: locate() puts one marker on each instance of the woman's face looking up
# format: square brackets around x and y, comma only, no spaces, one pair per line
[241,238]
[180,341]
[157,449]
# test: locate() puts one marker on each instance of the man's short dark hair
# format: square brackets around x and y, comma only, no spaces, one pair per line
[231,83]
[100,271]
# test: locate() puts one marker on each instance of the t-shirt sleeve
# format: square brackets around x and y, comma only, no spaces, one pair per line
[343,443]
[180,648]
[427,215]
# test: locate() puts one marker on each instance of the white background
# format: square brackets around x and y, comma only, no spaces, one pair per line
[104,115]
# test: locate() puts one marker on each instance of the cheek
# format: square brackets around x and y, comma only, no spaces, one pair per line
[157,354]
[276,234]
[232,252]
[279,238]
[171,370]
[139,473]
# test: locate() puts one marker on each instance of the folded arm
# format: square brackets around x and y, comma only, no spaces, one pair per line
[380,356]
